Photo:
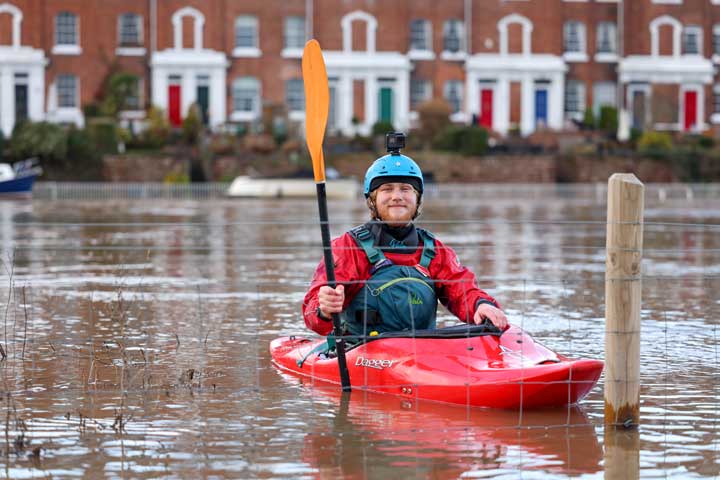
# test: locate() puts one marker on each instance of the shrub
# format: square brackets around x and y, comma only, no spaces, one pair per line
[47,141]
[470,141]
[84,158]
[608,121]
[699,141]
[192,125]
[91,110]
[382,127]
[434,118]
[241,129]
[104,135]
[118,88]
[474,141]
[654,142]
[589,119]
[124,135]
[449,138]
[158,129]
[177,178]
[706,141]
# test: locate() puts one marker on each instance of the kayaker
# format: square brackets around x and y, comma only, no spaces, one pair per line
[391,274]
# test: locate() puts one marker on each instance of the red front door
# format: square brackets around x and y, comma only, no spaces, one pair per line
[690,110]
[174,105]
[486,101]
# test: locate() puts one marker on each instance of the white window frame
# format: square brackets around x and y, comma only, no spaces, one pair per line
[371,24]
[461,52]
[716,34]
[596,104]
[139,26]
[198,26]
[140,95]
[134,50]
[67,48]
[17,18]
[426,95]
[446,94]
[581,100]
[290,100]
[425,53]
[698,31]
[655,35]
[295,49]
[253,51]
[254,111]
[668,2]
[579,55]
[75,93]
[610,56]
[715,117]
[426,28]
[503,30]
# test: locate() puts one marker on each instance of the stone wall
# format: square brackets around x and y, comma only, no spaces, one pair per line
[443,167]
[143,168]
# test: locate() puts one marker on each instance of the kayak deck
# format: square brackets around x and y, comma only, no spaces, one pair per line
[485,370]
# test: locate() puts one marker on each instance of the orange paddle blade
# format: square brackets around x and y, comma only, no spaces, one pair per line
[317,102]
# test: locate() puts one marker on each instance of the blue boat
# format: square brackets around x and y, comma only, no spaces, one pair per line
[18,179]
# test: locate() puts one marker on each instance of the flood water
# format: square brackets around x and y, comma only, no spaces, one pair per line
[137,334]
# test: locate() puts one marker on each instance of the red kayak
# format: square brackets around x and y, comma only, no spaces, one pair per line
[472,365]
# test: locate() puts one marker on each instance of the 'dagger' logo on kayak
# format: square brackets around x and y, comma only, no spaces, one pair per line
[373,363]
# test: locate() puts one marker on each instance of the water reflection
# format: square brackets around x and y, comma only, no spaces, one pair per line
[405,439]
[622,454]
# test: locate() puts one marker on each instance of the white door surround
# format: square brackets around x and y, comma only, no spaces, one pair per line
[189,65]
[17,59]
[374,70]
[526,69]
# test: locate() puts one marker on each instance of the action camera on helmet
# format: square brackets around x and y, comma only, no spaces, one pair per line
[394,141]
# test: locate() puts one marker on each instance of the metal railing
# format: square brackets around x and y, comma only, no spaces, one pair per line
[128,191]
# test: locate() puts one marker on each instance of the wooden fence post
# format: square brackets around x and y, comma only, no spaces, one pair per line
[622,300]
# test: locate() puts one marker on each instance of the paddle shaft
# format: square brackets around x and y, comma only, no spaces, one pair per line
[330,273]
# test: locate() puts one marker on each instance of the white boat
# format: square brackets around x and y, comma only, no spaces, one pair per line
[244,186]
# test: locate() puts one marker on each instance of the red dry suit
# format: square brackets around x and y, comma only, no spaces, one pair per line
[455,285]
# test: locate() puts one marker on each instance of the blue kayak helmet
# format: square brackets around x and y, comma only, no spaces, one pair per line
[394,167]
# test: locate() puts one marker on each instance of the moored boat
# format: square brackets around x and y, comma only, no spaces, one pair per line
[471,365]
[245,186]
[18,179]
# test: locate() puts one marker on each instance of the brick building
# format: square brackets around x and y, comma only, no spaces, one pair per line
[506,64]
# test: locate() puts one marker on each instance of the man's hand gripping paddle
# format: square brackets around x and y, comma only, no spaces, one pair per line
[317,102]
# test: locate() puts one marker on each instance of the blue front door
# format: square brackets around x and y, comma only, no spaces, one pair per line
[540,108]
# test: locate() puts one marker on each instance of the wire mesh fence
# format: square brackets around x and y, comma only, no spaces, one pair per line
[216,190]
[164,327]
